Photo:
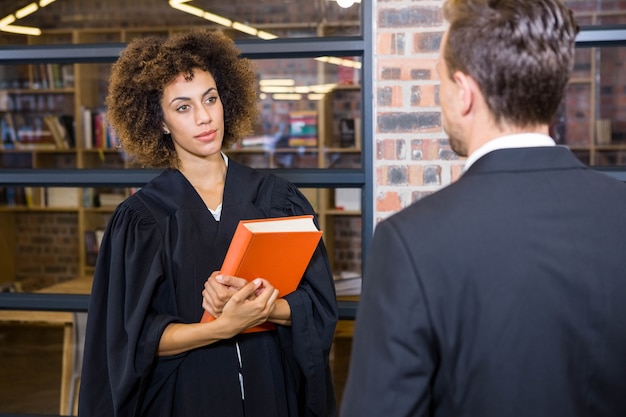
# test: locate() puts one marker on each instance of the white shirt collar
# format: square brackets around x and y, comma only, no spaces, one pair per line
[518,140]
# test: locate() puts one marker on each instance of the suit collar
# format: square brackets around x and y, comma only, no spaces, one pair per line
[526,159]
[518,140]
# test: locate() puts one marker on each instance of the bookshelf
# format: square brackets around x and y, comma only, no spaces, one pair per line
[80,97]
[32,97]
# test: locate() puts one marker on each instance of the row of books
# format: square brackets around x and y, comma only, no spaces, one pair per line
[303,132]
[66,197]
[13,196]
[302,129]
[36,133]
[60,197]
[97,133]
[39,132]
[93,239]
[52,76]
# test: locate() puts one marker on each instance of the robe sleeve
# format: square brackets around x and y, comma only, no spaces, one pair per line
[313,314]
[124,324]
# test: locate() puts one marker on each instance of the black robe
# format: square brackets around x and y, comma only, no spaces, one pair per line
[158,249]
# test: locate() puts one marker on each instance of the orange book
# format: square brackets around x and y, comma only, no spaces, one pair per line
[278,249]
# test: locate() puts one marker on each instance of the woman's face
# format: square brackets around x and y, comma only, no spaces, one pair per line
[193,114]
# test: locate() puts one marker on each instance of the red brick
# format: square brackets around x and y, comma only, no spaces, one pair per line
[425,95]
[389,201]
[404,69]
[390,43]
[388,149]
[390,96]
[427,42]
[400,122]
[410,17]
[416,175]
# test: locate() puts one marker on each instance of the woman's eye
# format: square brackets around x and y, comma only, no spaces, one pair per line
[182,108]
[211,99]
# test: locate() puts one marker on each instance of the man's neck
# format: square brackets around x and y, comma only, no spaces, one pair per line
[480,137]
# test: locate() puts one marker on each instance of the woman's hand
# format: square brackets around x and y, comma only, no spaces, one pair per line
[218,289]
[246,305]
[251,305]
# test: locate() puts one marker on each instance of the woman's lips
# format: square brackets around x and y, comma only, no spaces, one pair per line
[206,136]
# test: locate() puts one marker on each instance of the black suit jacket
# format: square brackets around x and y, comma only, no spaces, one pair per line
[503,294]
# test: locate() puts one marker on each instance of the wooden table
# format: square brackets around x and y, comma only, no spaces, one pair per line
[64,319]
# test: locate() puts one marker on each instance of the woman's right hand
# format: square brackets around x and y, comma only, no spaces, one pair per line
[251,305]
[217,291]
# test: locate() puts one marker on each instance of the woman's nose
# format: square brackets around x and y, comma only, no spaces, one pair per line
[203,115]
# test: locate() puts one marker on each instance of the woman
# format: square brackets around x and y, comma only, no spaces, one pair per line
[176,103]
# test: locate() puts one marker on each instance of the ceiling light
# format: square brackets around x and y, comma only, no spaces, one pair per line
[25,11]
[220,20]
[217,19]
[187,9]
[293,97]
[265,35]
[339,61]
[5,21]
[277,81]
[315,97]
[245,28]
[322,88]
[22,30]
[345,3]
[276,89]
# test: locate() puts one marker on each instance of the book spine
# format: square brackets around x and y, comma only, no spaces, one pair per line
[240,241]
[233,258]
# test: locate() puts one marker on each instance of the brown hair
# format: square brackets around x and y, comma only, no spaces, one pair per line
[148,64]
[520,53]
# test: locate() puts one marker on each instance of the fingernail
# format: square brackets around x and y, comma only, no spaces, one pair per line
[219,278]
[257,282]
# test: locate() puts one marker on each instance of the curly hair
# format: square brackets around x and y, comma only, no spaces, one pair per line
[148,64]
[524,58]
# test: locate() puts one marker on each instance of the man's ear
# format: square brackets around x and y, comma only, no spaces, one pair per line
[466,91]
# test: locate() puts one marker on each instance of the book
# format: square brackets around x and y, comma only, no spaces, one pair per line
[9,134]
[87,125]
[110,199]
[278,249]
[348,198]
[348,283]
[302,128]
[58,131]
[63,197]
[91,247]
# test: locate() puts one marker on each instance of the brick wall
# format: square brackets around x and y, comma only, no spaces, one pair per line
[46,249]
[412,155]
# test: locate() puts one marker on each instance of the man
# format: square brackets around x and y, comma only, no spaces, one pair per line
[503,294]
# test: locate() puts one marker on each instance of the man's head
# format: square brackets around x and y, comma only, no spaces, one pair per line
[519,53]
